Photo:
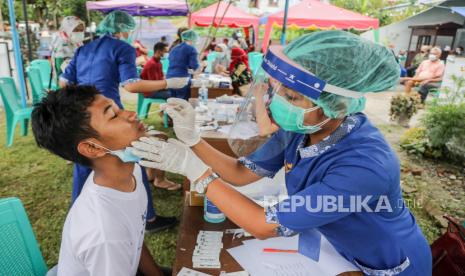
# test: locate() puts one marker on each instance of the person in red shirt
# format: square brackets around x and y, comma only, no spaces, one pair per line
[153,70]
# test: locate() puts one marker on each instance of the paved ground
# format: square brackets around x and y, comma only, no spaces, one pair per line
[378,104]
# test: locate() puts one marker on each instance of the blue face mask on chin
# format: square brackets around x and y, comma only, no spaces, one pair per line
[124,155]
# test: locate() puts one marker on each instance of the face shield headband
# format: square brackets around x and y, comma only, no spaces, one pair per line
[295,77]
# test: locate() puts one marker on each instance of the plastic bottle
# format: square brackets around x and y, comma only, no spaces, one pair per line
[203,93]
[211,213]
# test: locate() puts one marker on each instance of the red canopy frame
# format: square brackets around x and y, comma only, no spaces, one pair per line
[318,15]
[234,18]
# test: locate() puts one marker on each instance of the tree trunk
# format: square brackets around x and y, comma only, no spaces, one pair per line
[2,28]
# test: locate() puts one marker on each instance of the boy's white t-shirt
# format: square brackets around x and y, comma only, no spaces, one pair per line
[104,231]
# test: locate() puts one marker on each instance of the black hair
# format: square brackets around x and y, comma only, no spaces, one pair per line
[159,46]
[61,120]
[181,30]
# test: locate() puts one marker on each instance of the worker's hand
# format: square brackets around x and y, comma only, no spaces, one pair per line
[176,83]
[183,115]
[172,156]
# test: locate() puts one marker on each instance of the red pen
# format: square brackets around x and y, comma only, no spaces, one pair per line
[275,250]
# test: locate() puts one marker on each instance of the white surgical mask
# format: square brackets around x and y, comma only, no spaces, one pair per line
[432,57]
[77,37]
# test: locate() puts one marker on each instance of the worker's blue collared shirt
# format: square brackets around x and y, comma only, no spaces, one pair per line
[354,161]
[105,63]
[182,58]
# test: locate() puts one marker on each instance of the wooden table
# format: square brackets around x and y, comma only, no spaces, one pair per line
[191,223]
[212,92]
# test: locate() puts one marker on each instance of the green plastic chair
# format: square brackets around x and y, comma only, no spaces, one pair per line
[19,251]
[210,59]
[35,81]
[143,107]
[144,104]
[255,60]
[165,63]
[14,112]
[45,69]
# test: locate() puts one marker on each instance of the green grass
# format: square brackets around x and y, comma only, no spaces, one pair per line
[43,183]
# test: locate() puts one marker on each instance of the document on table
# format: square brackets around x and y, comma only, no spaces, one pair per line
[251,257]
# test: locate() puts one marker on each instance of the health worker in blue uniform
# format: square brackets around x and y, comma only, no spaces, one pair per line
[108,63]
[342,177]
[183,61]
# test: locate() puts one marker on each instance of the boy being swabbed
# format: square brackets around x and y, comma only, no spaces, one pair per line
[104,229]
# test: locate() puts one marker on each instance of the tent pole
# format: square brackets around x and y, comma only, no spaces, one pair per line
[17,51]
[283,34]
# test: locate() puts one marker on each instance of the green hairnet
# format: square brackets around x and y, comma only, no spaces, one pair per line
[116,22]
[189,35]
[345,60]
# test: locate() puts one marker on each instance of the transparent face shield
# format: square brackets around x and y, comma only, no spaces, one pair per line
[282,96]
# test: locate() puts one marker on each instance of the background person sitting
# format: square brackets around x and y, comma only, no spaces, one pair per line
[417,59]
[221,63]
[428,75]
[239,70]
[153,70]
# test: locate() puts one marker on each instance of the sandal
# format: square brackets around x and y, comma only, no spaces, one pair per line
[170,187]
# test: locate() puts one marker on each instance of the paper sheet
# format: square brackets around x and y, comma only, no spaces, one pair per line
[257,263]
[242,131]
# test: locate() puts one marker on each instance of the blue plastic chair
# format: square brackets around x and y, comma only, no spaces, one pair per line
[19,251]
[45,69]
[14,111]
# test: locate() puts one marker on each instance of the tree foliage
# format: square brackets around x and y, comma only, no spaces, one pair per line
[381,9]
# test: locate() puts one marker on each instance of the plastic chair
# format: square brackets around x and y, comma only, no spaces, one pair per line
[143,107]
[35,81]
[255,60]
[45,69]
[210,59]
[143,104]
[19,251]
[14,112]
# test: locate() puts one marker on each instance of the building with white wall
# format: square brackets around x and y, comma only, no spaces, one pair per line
[398,34]
[263,7]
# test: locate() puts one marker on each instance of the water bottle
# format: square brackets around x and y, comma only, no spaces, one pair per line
[211,213]
[203,93]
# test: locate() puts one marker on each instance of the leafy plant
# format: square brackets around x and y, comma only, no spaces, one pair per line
[414,141]
[403,107]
